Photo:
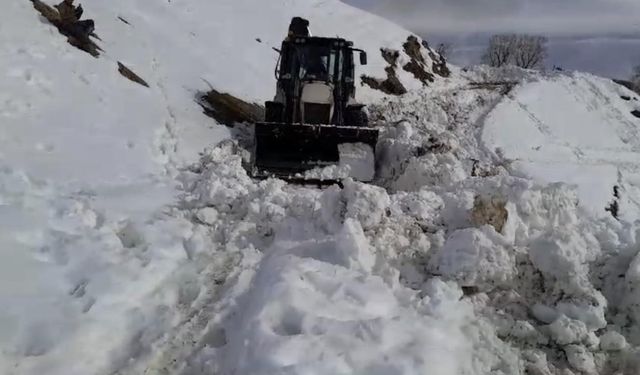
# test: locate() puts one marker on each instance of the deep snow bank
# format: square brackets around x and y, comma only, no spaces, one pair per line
[557,284]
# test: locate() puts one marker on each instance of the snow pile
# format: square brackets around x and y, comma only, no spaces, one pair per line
[317,298]
[548,280]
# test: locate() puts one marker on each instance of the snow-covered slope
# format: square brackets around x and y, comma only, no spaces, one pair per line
[91,253]
[127,248]
[51,91]
[576,129]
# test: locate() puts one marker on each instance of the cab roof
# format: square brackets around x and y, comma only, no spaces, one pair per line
[319,41]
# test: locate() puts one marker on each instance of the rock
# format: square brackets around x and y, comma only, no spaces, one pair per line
[419,72]
[491,211]
[391,85]
[228,109]
[390,56]
[130,75]
[80,41]
[414,49]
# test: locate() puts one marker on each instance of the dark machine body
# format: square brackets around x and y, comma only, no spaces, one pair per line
[314,110]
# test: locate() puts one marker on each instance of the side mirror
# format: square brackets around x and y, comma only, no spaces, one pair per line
[363,58]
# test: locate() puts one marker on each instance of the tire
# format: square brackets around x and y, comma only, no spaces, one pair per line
[356,117]
[273,112]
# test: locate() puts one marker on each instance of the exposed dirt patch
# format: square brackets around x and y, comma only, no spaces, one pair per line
[74,38]
[228,109]
[413,48]
[417,66]
[432,145]
[491,211]
[439,66]
[419,72]
[614,206]
[130,75]
[390,56]
[391,85]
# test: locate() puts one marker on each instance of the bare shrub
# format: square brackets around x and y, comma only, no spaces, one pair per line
[524,51]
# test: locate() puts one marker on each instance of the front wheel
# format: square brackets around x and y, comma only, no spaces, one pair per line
[273,112]
[357,117]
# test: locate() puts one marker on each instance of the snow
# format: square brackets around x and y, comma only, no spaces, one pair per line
[478,258]
[357,161]
[571,128]
[612,341]
[133,241]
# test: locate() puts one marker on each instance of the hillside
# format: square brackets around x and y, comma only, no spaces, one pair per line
[132,240]
[576,129]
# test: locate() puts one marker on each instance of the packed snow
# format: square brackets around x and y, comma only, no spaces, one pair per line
[357,161]
[133,241]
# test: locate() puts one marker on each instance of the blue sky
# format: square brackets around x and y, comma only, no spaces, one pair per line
[600,36]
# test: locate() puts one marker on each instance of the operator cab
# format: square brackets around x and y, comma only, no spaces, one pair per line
[316,76]
[318,59]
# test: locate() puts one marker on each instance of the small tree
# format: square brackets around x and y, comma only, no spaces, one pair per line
[635,76]
[530,51]
[499,51]
[443,50]
[525,51]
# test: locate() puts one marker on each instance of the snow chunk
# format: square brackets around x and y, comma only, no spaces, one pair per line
[357,161]
[580,359]
[367,204]
[306,314]
[355,247]
[207,215]
[612,342]
[476,257]
[567,331]
[563,255]
[590,312]
[430,170]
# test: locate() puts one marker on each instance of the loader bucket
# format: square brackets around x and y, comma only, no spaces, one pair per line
[288,149]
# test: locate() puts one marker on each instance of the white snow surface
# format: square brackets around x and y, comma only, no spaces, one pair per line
[132,240]
[357,161]
[576,129]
